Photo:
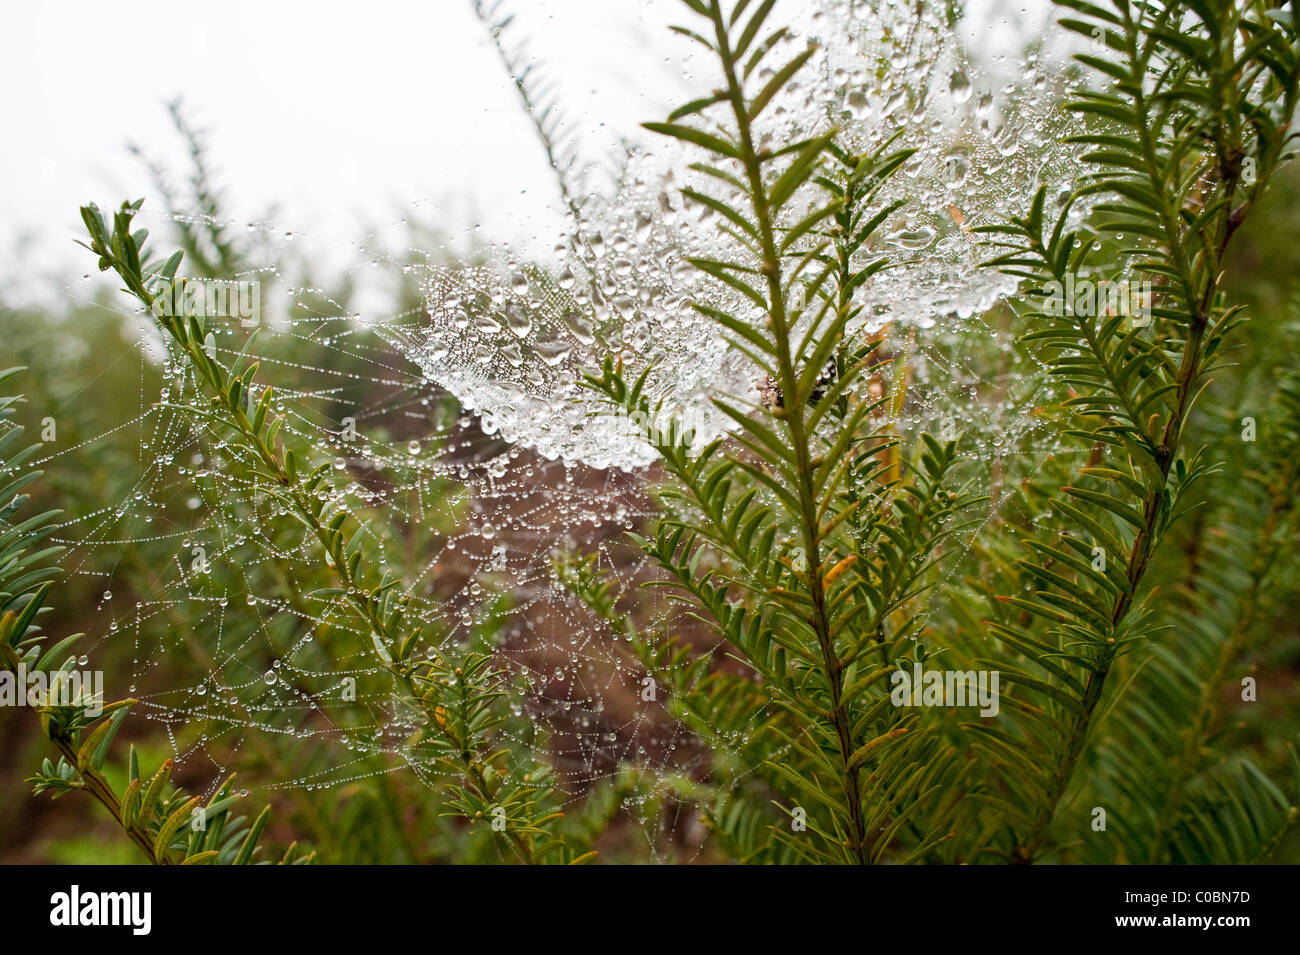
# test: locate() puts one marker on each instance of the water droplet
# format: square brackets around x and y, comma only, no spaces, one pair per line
[955,167]
[520,322]
[915,239]
[959,86]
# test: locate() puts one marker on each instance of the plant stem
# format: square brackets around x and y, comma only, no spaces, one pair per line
[1199,303]
[796,425]
[98,786]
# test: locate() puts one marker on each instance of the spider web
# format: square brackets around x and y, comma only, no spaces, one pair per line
[461,440]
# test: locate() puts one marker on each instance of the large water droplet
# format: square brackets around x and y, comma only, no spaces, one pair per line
[959,86]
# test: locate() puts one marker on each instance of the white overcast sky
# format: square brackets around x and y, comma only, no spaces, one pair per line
[339,113]
[345,115]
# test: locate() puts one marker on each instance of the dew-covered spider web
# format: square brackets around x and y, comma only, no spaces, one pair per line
[458,434]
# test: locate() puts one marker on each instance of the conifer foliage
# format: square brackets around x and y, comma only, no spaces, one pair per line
[818,559]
